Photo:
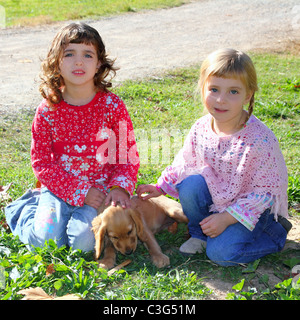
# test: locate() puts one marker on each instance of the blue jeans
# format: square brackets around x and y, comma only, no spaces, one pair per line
[39,216]
[236,244]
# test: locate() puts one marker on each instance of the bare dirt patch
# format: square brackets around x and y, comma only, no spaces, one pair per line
[151,42]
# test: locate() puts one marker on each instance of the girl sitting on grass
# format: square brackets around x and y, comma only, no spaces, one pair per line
[82,136]
[230,175]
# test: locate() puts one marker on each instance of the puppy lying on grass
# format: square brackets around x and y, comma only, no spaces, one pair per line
[119,229]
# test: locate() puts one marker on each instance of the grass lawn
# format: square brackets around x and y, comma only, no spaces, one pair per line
[35,12]
[161,105]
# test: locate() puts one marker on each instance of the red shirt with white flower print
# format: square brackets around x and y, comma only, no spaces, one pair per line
[75,148]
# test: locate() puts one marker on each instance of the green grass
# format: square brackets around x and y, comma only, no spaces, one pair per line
[34,12]
[165,103]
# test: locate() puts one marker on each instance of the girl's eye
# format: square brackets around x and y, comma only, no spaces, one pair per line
[68,55]
[214,89]
[88,56]
[233,91]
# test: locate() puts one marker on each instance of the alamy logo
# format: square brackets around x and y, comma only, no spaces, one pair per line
[155,146]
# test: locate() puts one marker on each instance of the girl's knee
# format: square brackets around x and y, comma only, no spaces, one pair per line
[37,237]
[80,234]
[193,191]
[83,239]
[222,256]
[192,186]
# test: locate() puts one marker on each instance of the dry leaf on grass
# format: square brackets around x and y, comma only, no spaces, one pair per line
[50,269]
[35,294]
[68,297]
[4,224]
[4,196]
[39,294]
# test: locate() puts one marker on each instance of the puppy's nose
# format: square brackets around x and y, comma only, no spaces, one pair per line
[128,251]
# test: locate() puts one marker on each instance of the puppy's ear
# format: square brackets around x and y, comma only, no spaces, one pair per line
[99,229]
[139,224]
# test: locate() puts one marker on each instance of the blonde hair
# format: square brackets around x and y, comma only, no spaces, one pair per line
[230,63]
[52,81]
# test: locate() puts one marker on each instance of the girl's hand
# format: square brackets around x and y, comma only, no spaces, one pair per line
[118,195]
[94,198]
[147,188]
[215,224]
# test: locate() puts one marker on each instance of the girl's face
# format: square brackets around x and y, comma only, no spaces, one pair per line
[224,98]
[78,64]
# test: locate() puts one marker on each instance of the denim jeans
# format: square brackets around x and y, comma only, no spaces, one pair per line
[236,244]
[39,216]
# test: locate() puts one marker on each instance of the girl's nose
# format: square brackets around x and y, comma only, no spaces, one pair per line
[221,98]
[78,62]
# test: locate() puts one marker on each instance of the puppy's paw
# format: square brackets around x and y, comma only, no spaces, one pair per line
[106,263]
[160,260]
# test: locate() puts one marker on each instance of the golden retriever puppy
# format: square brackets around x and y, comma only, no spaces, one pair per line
[119,229]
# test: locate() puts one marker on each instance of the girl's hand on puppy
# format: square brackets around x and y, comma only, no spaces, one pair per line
[147,188]
[118,195]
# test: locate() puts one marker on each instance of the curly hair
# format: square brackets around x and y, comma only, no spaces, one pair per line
[226,63]
[51,79]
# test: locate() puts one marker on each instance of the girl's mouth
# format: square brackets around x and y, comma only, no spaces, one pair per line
[220,110]
[78,72]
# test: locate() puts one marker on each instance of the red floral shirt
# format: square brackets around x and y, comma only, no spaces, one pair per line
[75,148]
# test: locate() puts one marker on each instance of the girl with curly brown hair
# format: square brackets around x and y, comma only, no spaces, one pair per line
[83,147]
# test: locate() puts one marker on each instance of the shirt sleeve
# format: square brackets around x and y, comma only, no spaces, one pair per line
[247,211]
[64,185]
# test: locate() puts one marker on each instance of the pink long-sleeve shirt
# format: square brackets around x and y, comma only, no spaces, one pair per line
[75,148]
[245,172]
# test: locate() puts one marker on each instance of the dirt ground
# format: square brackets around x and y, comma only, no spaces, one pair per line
[148,43]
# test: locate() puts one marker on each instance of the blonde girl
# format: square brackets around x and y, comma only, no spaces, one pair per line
[230,175]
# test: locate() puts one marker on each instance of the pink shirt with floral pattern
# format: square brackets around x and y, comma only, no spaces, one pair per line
[245,172]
